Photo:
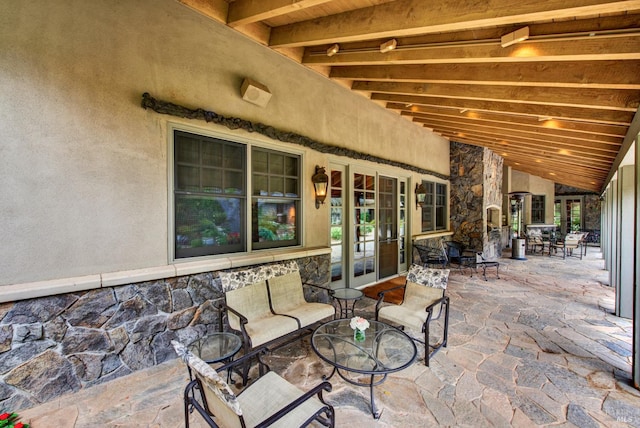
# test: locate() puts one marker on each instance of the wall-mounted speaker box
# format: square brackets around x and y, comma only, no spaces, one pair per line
[255,93]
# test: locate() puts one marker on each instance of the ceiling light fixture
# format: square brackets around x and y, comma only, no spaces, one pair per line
[388,46]
[333,50]
[515,37]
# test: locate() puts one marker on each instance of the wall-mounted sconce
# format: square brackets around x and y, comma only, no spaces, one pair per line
[421,195]
[320,182]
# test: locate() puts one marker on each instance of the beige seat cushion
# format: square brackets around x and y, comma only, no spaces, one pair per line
[411,313]
[287,297]
[252,301]
[269,394]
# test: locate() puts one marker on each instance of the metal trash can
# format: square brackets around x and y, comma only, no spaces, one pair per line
[518,248]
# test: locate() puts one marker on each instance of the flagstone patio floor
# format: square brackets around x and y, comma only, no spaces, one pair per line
[537,347]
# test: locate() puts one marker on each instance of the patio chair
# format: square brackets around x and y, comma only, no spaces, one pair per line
[424,292]
[456,253]
[433,257]
[269,401]
[570,243]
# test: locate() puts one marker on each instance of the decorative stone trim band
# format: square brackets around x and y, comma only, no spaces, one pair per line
[17,292]
[165,107]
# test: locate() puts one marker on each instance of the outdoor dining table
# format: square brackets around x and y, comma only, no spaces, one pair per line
[384,350]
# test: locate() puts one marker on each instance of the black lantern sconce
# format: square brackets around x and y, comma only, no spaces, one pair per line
[320,182]
[421,195]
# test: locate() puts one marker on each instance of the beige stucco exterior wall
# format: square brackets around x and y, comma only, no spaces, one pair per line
[523,182]
[85,169]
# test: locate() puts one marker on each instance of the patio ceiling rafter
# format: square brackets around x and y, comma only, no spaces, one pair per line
[569,92]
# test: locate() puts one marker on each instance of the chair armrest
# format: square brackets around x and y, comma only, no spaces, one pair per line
[381,297]
[238,362]
[317,390]
[316,286]
[243,319]
[444,301]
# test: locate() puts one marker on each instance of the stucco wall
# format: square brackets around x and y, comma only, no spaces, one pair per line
[523,182]
[84,168]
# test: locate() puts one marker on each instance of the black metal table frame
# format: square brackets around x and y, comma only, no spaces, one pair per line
[344,313]
[373,374]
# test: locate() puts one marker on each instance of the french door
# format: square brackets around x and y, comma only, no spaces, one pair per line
[368,226]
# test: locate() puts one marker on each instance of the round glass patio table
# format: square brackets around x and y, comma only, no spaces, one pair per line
[385,350]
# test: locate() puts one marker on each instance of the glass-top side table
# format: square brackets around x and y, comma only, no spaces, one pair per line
[215,348]
[345,297]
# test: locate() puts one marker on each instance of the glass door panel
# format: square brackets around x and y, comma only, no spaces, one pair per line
[338,229]
[387,227]
[364,228]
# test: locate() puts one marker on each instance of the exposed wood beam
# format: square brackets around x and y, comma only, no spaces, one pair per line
[412,17]
[535,148]
[613,117]
[580,139]
[611,99]
[609,47]
[585,27]
[541,140]
[214,9]
[555,123]
[573,74]
[242,12]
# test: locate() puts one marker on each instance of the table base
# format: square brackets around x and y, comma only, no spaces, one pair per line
[374,410]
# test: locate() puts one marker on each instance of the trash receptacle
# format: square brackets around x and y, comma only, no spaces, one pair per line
[518,247]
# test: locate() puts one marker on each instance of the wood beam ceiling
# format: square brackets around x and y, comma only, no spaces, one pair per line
[566,96]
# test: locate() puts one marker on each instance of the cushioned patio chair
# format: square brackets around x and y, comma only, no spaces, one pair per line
[269,401]
[424,293]
[568,245]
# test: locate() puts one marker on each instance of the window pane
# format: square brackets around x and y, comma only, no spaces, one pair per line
[188,150]
[211,180]
[274,214]
[187,178]
[260,161]
[276,164]
[207,225]
[274,222]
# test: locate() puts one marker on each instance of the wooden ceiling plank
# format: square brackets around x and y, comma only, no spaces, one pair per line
[556,123]
[213,9]
[609,99]
[598,25]
[242,12]
[613,117]
[507,134]
[614,47]
[572,137]
[413,17]
[534,148]
[571,74]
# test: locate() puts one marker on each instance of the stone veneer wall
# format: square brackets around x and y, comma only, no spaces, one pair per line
[58,344]
[476,184]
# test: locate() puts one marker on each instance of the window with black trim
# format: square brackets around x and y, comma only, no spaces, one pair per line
[211,194]
[537,209]
[435,208]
